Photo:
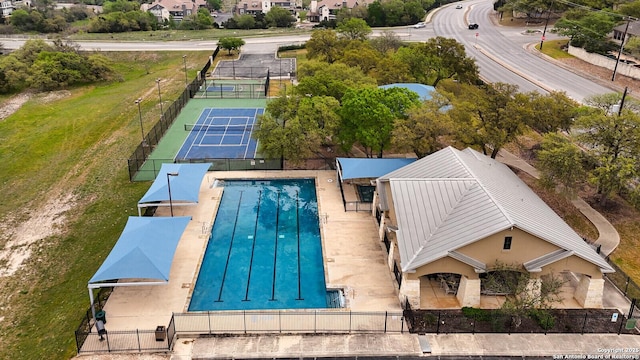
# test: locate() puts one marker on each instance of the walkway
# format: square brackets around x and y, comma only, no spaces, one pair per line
[608,235]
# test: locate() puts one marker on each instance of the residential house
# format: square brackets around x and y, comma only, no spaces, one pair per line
[458,214]
[254,7]
[176,9]
[327,9]
[9,6]
[632,30]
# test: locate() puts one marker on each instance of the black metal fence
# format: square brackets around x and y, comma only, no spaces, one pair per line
[150,171]
[623,281]
[152,138]
[132,340]
[559,321]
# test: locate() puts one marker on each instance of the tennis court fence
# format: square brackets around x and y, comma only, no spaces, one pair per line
[153,165]
[152,138]
[222,84]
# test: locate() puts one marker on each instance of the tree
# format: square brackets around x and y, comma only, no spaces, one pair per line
[613,140]
[526,295]
[424,128]
[279,17]
[588,31]
[361,55]
[318,79]
[214,4]
[324,45]
[560,163]
[245,21]
[368,116]
[230,43]
[487,117]
[294,127]
[387,41]
[354,29]
[633,46]
[553,112]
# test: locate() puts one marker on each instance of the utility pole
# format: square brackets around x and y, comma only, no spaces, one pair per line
[624,36]
[545,25]
[624,95]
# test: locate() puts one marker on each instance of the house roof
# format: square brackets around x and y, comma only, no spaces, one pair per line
[634,28]
[338,4]
[367,168]
[176,5]
[453,198]
[423,91]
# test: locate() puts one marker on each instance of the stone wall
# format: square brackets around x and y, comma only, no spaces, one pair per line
[605,62]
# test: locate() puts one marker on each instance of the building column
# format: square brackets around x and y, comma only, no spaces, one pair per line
[410,290]
[469,292]
[390,257]
[589,292]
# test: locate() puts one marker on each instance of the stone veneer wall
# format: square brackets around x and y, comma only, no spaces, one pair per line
[589,292]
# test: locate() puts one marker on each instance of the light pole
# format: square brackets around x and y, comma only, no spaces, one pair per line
[184,60]
[169,174]
[160,97]
[138,101]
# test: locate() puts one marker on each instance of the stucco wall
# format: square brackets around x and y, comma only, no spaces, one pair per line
[605,62]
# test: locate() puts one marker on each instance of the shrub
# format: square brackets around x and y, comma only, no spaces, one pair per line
[544,319]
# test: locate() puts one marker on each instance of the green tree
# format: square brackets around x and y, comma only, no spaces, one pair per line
[368,116]
[324,45]
[360,54]
[487,117]
[393,12]
[631,8]
[560,163]
[318,79]
[294,127]
[120,6]
[633,46]
[230,43]
[589,31]
[245,21]
[279,17]
[214,4]
[613,140]
[554,111]
[354,29]
[423,130]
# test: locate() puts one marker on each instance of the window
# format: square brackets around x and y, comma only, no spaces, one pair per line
[507,243]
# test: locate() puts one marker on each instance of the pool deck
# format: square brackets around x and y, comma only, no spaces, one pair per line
[354,258]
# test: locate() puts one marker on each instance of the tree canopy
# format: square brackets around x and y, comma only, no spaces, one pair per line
[230,43]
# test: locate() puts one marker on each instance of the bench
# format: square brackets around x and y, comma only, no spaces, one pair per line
[447,288]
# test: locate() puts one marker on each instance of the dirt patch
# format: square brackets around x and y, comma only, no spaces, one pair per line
[13,104]
[44,222]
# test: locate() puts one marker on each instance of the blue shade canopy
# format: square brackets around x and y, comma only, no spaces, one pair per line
[144,251]
[423,91]
[364,168]
[185,186]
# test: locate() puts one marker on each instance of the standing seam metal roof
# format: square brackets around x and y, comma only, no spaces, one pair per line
[453,198]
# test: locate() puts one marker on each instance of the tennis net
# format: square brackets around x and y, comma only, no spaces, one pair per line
[219,128]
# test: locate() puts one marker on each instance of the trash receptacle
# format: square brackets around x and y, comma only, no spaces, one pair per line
[161,334]
[101,315]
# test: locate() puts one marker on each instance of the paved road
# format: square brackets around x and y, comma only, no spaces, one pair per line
[499,51]
[499,48]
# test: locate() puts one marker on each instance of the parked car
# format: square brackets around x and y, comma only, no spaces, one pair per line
[419,25]
[458,6]
[473,26]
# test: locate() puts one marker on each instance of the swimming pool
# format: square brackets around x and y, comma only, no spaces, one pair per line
[265,250]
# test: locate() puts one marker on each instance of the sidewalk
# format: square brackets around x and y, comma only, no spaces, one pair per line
[407,345]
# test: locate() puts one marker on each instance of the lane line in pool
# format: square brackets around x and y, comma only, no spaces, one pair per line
[253,246]
[275,252]
[226,266]
[298,238]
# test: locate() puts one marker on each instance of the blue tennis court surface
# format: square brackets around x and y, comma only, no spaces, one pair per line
[221,134]
[221,88]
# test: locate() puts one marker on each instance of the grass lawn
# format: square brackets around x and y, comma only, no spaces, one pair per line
[72,151]
[553,48]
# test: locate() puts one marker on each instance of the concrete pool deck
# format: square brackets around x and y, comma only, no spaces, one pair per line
[354,258]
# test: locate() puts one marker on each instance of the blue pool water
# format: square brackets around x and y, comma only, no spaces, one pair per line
[265,250]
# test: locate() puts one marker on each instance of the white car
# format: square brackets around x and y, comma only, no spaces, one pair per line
[458,6]
[419,25]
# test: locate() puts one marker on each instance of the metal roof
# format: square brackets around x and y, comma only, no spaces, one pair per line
[453,198]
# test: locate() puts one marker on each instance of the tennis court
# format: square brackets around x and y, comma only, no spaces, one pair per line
[221,134]
[221,88]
